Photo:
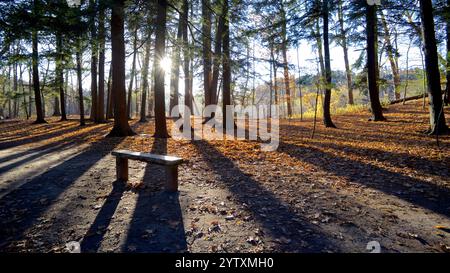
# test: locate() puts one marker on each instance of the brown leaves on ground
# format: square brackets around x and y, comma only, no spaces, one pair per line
[365,181]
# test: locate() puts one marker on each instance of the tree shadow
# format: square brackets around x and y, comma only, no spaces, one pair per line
[157,222]
[401,160]
[425,195]
[41,151]
[94,236]
[21,208]
[343,134]
[55,132]
[277,218]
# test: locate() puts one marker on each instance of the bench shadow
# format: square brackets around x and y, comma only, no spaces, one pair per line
[157,222]
[277,218]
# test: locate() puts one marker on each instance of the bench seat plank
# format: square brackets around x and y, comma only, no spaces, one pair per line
[147,157]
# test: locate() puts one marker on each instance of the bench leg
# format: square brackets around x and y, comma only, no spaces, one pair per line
[122,169]
[172,178]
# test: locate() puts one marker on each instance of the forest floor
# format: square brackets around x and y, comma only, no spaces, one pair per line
[365,181]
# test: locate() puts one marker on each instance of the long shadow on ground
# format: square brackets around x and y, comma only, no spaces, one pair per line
[426,195]
[277,218]
[55,132]
[20,209]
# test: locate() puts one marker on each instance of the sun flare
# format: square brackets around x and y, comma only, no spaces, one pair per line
[166,64]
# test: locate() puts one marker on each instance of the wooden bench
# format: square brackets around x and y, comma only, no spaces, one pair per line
[170,162]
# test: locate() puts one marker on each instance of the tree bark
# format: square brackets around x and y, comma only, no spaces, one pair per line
[15,87]
[344,45]
[133,71]
[175,69]
[299,86]
[326,42]
[121,127]
[145,84]
[372,62]
[30,99]
[36,87]
[391,56]
[100,112]
[216,59]
[110,99]
[226,63]
[206,30]
[160,52]
[60,75]
[186,56]
[80,82]
[437,117]
[320,51]
[44,84]
[285,62]
[151,92]
[447,88]
[94,61]
[275,68]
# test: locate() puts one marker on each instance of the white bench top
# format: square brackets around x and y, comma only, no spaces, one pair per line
[147,157]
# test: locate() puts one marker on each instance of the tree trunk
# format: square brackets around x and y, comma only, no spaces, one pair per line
[437,117]
[299,86]
[275,66]
[407,71]
[145,84]
[391,56]
[206,31]
[80,82]
[226,63]
[44,84]
[37,90]
[216,59]
[100,112]
[121,127]
[110,99]
[253,75]
[25,108]
[56,108]
[344,45]
[285,63]
[15,88]
[30,99]
[133,71]
[60,75]
[447,88]
[151,92]
[372,62]
[186,56]
[326,42]
[9,95]
[136,91]
[175,70]
[160,52]
[94,60]
[2,110]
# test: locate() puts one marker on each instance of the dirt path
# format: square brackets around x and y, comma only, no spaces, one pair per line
[364,182]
